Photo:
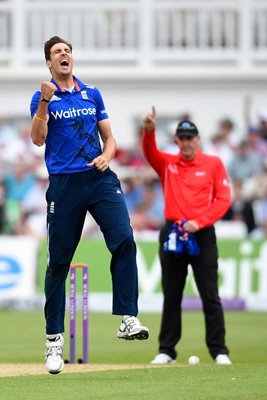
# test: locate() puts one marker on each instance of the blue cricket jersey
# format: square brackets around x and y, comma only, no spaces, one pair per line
[72,140]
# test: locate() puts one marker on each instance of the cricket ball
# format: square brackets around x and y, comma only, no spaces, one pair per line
[193,360]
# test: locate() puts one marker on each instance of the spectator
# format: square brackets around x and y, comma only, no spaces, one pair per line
[224,142]
[261,215]
[260,232]
[133,192]
[156,209]
[255,188]
[241,209]
[256,142]
[18,182]
[245,163]
[262,123]
[33,206]
[7,131]
[217,146]
[12,145]
[149,212]
[228,133]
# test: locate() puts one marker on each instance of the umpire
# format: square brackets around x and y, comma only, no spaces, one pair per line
[196,191]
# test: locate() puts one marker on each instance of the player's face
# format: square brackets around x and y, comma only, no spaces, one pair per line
[188,146]
[61,60]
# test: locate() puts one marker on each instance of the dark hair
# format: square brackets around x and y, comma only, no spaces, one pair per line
[51,42]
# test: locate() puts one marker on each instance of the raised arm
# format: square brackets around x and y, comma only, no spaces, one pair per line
[149,122]
[40,119]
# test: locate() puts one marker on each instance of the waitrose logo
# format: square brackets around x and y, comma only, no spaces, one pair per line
[73,112]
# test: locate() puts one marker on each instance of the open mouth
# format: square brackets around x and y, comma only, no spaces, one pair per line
[64,63]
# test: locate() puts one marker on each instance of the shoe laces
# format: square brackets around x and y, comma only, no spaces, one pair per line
[53,348]
[130,322]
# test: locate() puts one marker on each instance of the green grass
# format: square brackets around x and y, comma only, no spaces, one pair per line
[22,341]
[202,383]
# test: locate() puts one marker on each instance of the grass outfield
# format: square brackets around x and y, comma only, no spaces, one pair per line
[22,342]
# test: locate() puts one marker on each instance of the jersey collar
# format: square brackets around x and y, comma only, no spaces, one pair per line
[79,85]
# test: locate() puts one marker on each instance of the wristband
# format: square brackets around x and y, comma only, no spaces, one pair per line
[40,118]
[45,100]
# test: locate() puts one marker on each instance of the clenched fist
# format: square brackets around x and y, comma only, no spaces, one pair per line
[48,89]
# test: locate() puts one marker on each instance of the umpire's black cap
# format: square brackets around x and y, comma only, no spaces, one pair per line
[186,128]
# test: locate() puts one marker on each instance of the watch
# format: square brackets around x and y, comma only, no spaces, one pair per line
[45,100]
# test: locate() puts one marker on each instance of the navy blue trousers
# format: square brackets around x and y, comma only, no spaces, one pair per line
[69,198]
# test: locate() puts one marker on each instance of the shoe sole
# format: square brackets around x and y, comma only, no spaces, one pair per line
[54,372]
[142,335]
[223,363]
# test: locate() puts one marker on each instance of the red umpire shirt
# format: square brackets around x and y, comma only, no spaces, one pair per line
[193,190]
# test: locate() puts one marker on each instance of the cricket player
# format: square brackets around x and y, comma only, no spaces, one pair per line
[70,118]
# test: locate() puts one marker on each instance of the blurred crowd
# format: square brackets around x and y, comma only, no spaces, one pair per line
[24,178]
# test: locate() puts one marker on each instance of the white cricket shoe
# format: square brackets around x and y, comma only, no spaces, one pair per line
[223,359]
[54,354]
[131,329]
[163,358]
